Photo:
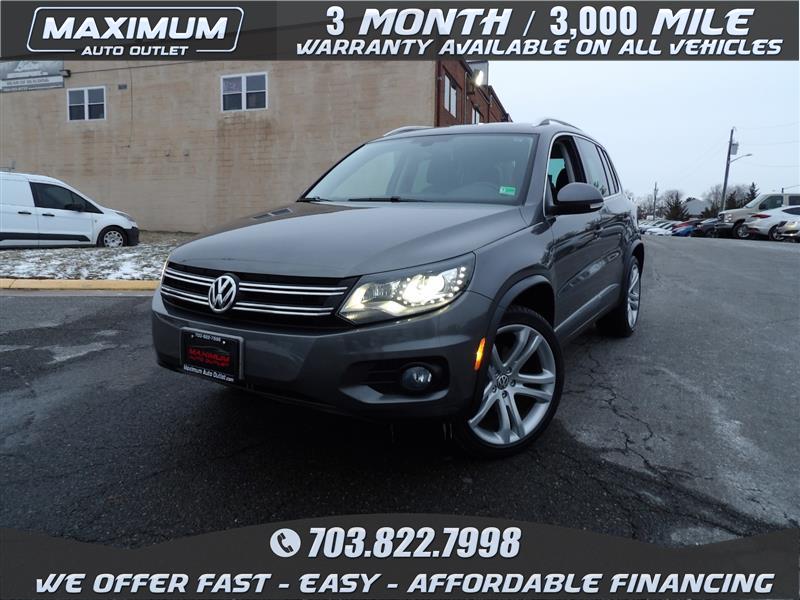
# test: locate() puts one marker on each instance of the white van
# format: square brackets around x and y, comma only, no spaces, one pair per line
[42,211]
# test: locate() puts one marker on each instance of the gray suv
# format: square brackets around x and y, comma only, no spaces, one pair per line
[430,273]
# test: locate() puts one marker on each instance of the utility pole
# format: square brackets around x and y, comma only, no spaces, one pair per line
[727,169]
[655,199]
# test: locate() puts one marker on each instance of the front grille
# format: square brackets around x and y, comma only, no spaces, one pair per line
[292,302]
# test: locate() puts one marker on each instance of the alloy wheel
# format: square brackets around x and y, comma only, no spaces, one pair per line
[634,293]
[520,387]
[113,239]
[742,232]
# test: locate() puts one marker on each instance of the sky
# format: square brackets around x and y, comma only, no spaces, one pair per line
[669,122]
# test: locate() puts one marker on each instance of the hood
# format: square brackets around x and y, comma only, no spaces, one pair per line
[340,240]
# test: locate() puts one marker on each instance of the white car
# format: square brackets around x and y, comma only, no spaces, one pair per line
[662,228]
[765,223]
[42,211]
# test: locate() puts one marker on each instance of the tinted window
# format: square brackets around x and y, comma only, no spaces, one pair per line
[56,197]
[794,200]
[611,175]
[771,202]
[593,166]
[437,168]
[793,211]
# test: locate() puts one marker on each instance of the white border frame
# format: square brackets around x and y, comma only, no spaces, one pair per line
[243,93]
[86,103]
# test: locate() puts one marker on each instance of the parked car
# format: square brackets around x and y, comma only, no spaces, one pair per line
[430,273]
[706,228]
[685,229]
[42,211]
[732,221]
[790,231]
[663,228]
[767,223]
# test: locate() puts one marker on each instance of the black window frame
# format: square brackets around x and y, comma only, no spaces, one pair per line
[87,206]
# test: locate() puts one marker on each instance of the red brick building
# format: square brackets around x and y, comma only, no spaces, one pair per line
[460,101]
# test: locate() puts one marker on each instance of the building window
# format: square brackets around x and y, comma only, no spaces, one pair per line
[476,115]
[450,95]
[86,103]
[244,92]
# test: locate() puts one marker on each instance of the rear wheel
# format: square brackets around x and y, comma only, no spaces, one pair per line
[111,237]
[622,320]
[522,389]
[740,231]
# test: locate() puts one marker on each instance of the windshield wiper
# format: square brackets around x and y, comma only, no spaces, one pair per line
[385,199]
[313,199]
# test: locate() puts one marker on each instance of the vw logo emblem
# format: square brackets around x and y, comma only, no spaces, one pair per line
[222,293]
[502,381]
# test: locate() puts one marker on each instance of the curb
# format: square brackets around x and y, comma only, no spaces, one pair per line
[78,284]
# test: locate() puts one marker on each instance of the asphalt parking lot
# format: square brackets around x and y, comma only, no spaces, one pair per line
[685,433]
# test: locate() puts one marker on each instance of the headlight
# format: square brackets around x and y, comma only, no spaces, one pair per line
[398,294]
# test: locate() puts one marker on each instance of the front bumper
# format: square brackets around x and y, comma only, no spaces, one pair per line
[133,236]
[331,370]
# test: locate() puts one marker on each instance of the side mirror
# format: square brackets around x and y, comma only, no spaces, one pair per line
[577,197]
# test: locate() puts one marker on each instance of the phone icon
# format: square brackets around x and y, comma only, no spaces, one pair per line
[285,542]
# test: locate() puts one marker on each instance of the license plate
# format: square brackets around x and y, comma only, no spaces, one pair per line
[218,357]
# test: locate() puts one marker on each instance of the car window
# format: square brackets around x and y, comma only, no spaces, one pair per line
[435,168]
[794,200]
[611,175]
[771,202]
[792,211]
[561,165]
[46,195]
[593,169]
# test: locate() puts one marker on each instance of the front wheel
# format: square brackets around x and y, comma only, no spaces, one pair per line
[111,237]
[773,234]
[522,388]
[740,231]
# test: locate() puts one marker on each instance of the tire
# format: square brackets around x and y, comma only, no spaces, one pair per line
[112,237]
[622,320]
[773,234]
[740,231]
[514,413]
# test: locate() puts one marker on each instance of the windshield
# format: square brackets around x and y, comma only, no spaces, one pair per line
[436,168]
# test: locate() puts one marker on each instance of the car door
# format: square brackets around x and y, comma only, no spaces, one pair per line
[576,246]
[18,218]
[614,218]
[62,218]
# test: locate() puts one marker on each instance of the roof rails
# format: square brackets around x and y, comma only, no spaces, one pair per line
[550,121]
[405,129]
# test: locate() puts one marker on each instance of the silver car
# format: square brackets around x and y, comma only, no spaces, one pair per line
[767,223]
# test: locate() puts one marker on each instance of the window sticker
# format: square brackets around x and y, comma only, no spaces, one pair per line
[508,190]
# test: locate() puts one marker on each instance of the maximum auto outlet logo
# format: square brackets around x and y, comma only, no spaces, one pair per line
[145,31]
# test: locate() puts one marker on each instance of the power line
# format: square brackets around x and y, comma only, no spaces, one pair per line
[772,143]
[768,126]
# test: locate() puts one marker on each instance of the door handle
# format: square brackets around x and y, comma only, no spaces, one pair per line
[23,212]
[48,215]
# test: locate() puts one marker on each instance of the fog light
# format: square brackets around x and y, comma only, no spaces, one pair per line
[416,379]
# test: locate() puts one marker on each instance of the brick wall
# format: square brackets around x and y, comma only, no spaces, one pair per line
[168,155]
[484,99]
